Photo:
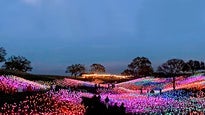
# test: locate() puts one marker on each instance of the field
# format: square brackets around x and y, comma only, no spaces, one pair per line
[135,95]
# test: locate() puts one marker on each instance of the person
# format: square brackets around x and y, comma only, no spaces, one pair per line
[160,91]
[106,99]
[152,91]
[98,98]
[116,108]
[141,91]
[122,108]
[94,97]
[106,102]
[29,88]
[113,85]
[108,85]
[99,86]
[96,86]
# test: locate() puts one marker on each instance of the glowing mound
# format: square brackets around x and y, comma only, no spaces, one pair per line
[165,84]
[11,84]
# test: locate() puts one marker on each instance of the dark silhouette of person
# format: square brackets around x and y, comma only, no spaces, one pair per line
[94,97]
[108,85]
[140,90]
[107,99]
[160,91]
[152,91]
[98,98]
[113,85]
[122,109]
[106,102]
[116,110]
[96,86]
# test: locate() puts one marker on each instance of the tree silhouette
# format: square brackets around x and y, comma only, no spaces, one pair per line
[186,68]
[2,54]
[196,65]
[97,68]
[172,68]
[127,72]
[75,69]
[17,63]
[202,65]
[141,66]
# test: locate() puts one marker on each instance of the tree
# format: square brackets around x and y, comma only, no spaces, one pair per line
[172,68]
[17,63]
[195,65]
[97,68]
[2,54]
[186,68]
[127,72]
[202,65]
[75,69]
[141,66]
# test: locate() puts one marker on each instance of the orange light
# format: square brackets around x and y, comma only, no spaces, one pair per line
[103,75]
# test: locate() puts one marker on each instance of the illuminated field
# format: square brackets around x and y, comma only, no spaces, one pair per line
[165,84]
[171,102]
[11,84]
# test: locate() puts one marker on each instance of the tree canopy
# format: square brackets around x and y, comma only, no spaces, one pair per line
[195,65]
[2,54]
[127,72]
[140,66]
[172,68]
[17,63]
[97,68]
[75,69]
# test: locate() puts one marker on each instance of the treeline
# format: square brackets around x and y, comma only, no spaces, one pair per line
[139,67]
[78,69]
[142,67]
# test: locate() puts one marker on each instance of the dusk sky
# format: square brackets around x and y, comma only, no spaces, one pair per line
[53,34]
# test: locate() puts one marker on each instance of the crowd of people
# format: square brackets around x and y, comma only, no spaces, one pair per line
[96,106]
